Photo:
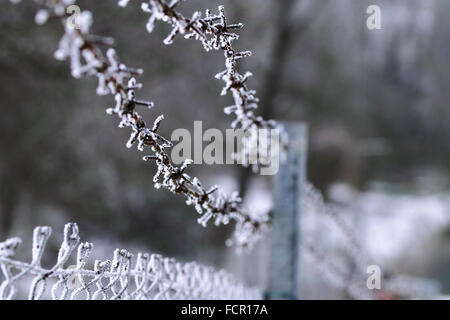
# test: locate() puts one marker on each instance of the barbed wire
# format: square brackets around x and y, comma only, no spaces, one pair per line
[313,202]
[152,277]
[353,282]
[87,59]
[215,33]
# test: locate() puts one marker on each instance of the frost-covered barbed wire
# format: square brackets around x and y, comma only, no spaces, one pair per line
[215,33]
[115,78]
[353,282]
[313,202]
[150,277]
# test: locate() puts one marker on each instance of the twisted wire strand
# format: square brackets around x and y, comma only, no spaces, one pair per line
[83,51]
[215,33]
[394,285]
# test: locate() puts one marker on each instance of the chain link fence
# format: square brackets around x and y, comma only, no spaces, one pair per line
[150,277]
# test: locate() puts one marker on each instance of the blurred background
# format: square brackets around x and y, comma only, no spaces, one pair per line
[375,101]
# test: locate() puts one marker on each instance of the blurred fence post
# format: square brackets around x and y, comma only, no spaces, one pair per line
[285,235]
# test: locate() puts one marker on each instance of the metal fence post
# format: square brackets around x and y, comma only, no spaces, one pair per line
[285,236]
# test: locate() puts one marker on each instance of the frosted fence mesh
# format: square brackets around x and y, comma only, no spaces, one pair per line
[151,277]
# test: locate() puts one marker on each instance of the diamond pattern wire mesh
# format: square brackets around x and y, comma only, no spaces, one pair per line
[152,277]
